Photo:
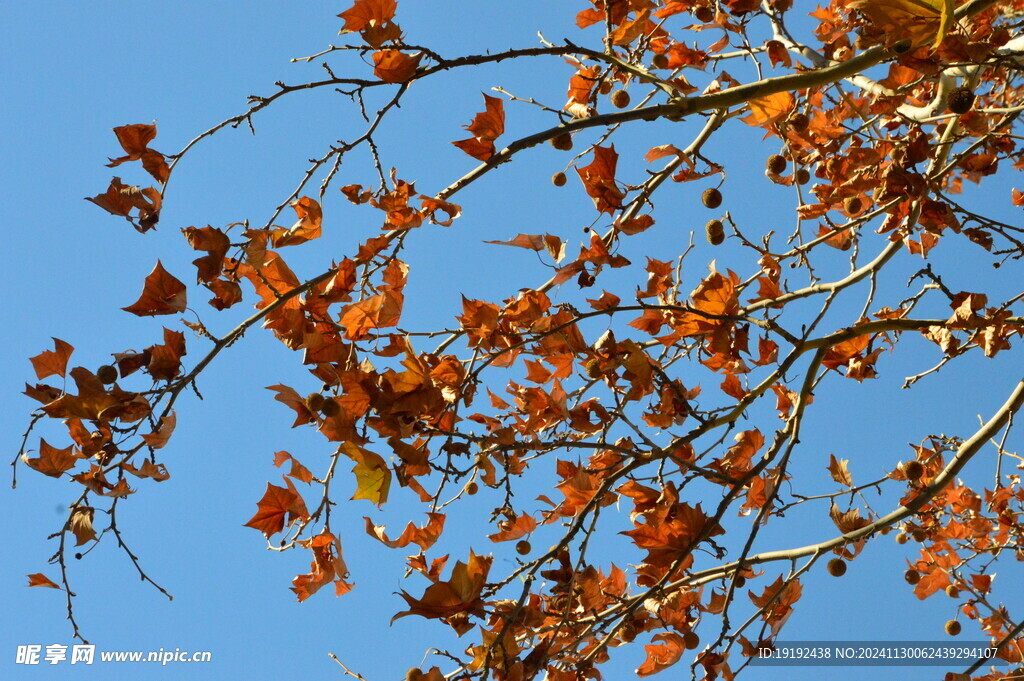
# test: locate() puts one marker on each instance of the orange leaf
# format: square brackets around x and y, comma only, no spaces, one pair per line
[599,180]
[159,437]
[393,66]
[327,566]
[514,529]
[50,362]
[376,312]
[662,655]
[277,502]
[459,594]
[490,123]
[838,470]
[161,294]
[769,108]
[424,537]
[306,229]
[366,14]
[52,461]
[373,477]
[40,579]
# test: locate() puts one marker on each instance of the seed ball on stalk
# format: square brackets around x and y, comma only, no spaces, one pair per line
[523,547]
[659,61]
[558,179]
[315,401]
[620,99]
[803,176]
[776,164]
[960,100]
[912,576]
[715,232]
[705,15]
[799,122]
[330,408]
[562,142]
[711,198]
[853,204]
[953,628]
[837,567]
[691,640]
[107,374]
[913,469]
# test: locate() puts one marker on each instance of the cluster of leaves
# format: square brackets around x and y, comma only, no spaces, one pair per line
[522,386]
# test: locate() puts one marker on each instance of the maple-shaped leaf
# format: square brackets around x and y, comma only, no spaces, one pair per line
[394,66]
[120,199]
[769,108]
[514,529]
[80,524]
[776,601]
[298,471]
[165,360]
[52,461]
[276,504]
[156,472]
[373,477]
[373,20]
[215,243]
[95,402]
[161,294]
[460,594]
[581,87]
[327,566]
[666,652]
[486,127]
[375,312]
[159,437]
[599,180]
[52,362]
[39,579]
[306,229]
[424,537]
[839,471]
[914,20]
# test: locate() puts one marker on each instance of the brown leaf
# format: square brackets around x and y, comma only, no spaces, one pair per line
[662,655]
[52,461]
[161,294]
[424,537]
[80,524]
[838,470]
[306,229]
[39,579]
[276,504]
[159,437]
[51,362]
[393,66]
[599,180]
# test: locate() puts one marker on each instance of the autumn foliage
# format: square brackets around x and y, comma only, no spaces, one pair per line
[661,416]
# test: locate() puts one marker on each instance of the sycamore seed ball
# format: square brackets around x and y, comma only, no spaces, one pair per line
[691,640]
[711,198]
[953,627]
[659,61]
[776,163]
[472,488]
[960,100]
[952,591]
[414,674]
[523,547]
[853,204]
[902,538]
[107,374]
[715,232]
[912,576]
[803,176]
[620,99]
[330,408]
[562,142]
[837,567]
[913,469]
[920,535]
[705,15]
[315,401]
[558,179]
[799,122]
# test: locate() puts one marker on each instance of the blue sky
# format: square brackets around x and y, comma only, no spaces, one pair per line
[73,71]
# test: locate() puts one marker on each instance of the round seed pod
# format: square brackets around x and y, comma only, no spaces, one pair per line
[799,122]
[620,99]
[953,628]
[715,232]
[558,179]
[912,576]
[837,567]
[107,374]
[960,100]
[711,198]
[562,142]
[776,164]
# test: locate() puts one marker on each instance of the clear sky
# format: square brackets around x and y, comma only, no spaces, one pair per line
[72,71]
